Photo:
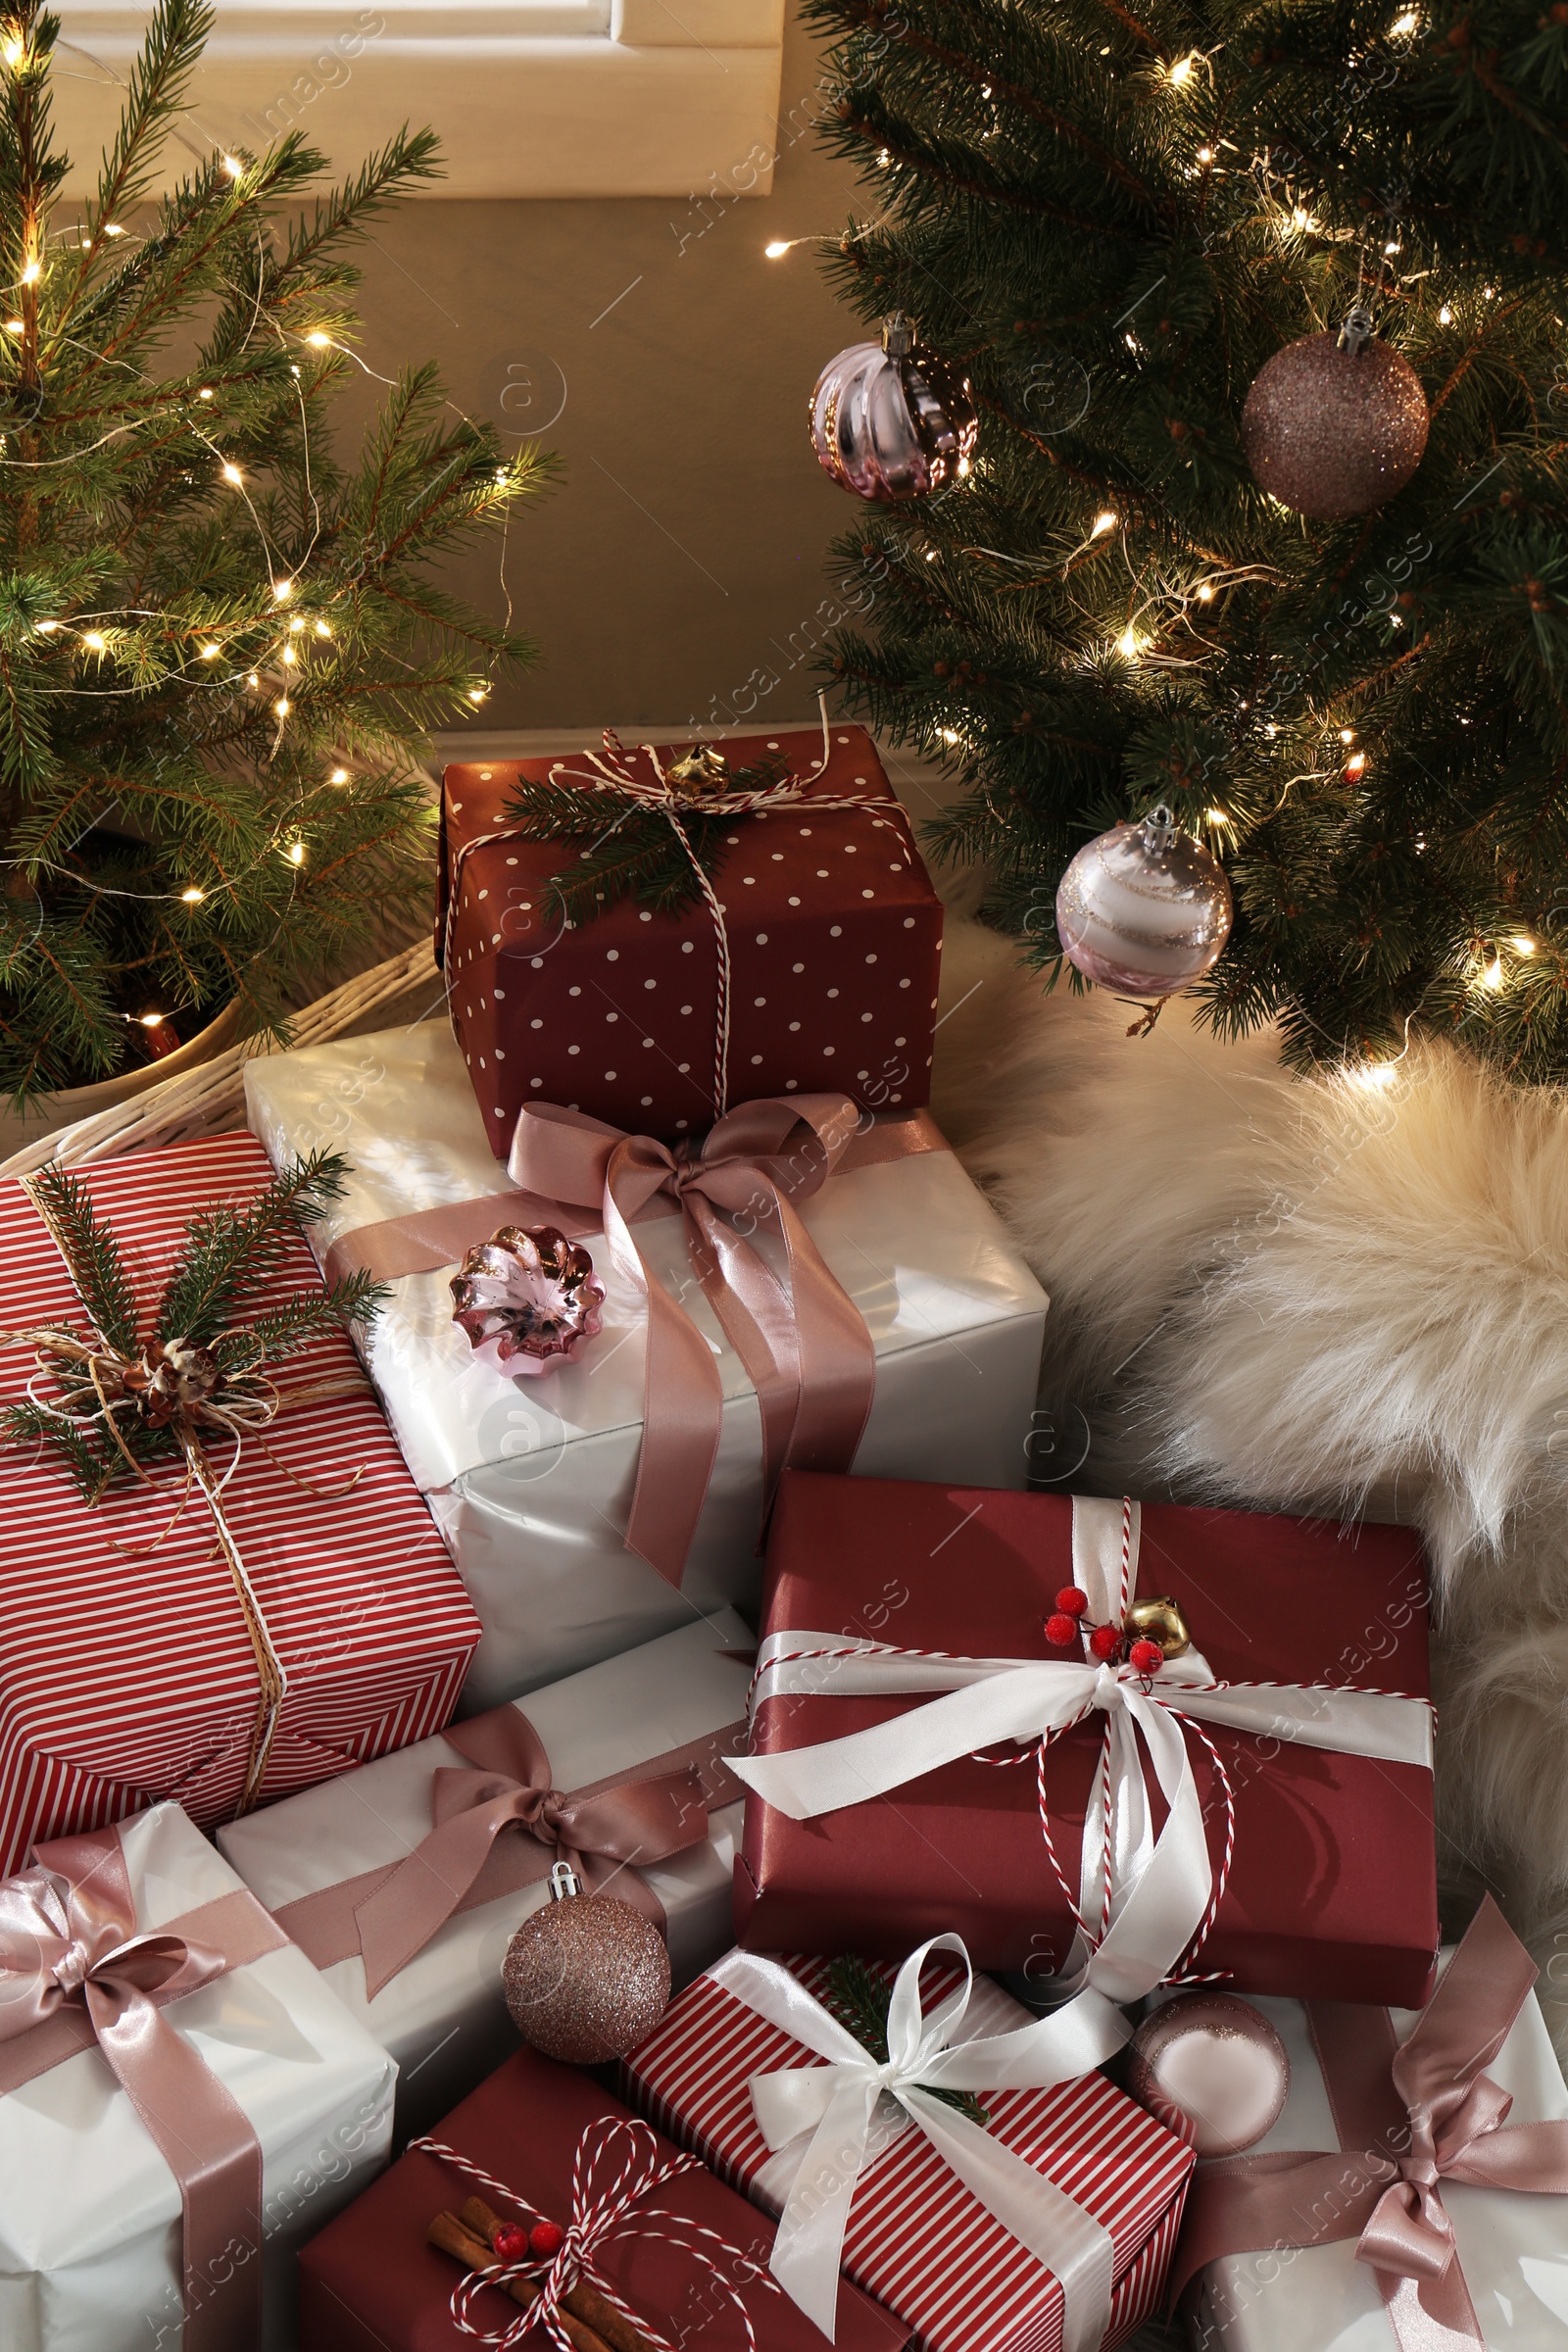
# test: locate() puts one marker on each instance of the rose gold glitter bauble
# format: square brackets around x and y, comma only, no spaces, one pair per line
[586,1979]
[1212,2070]
[1334,431]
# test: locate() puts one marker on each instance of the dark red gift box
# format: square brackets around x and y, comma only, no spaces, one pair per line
[834,936]
[1331,1893]
[371,2282]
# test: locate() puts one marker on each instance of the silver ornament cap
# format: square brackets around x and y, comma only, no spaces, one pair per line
[1143,908]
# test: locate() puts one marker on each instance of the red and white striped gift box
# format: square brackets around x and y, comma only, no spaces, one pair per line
[916,2239]
[127,1673]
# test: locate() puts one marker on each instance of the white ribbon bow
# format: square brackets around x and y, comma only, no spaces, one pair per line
[836,2103]
[1152,1893]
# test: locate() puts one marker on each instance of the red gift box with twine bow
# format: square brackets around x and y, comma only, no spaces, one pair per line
[684,2255]
[1256,1810]
[808,964]
[135,1660]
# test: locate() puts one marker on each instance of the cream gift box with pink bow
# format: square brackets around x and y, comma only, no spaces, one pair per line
[405,1879]
[182,2100]
[1413,2195]
[813,1284]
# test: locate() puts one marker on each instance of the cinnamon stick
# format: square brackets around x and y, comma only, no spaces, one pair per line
[451,2238]
[583,2301]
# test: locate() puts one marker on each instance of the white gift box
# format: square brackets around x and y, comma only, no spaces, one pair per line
[90,2229]
[443,2017]
[531,1479]
[1512,2246]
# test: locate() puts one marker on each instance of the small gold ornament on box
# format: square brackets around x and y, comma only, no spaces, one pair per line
[701,769]
[1159,1619]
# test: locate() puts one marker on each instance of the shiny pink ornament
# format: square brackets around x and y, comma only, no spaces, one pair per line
[1143,908]
[1212,2070]
[528,1298]
[890,419]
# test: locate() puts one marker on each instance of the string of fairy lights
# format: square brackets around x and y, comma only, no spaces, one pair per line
[1160,602]
[291,615]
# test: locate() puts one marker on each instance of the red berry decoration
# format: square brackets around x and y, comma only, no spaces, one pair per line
[545,2240]
[1062,1631]
[1105,1642]
[511,2242]
[1147,1657]
[1073,1600]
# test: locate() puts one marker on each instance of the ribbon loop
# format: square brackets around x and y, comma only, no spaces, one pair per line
[803,1341]
[836,2104]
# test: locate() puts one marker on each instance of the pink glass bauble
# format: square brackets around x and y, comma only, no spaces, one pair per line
[891,421]
[1212,2070]
[528,1298]
[1143,908]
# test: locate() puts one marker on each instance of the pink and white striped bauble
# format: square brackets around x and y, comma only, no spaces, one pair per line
[1143,908]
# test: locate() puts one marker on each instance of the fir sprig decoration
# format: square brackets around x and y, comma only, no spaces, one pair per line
[631,849]
[858,1998]
[128,1391]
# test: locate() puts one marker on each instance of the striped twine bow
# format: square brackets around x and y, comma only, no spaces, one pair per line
[600,2210]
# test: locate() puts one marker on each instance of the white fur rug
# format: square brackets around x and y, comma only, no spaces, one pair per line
[1315,1296]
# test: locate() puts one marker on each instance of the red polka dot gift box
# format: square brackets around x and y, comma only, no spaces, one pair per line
[803,956]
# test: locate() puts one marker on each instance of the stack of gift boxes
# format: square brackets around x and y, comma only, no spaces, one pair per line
[693,1847]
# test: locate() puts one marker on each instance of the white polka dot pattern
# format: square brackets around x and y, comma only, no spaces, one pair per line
[820,986]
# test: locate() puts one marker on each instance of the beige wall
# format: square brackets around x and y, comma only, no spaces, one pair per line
[679,564]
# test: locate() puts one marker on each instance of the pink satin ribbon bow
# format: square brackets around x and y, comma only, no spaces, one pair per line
[73,1972]
[469,1858]
[805,1347]
[1410,2118]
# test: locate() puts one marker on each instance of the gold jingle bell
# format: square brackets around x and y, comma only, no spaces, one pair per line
[1159,1620]
[701,769]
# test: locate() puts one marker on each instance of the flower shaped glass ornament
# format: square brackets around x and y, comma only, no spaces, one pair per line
[529,1300]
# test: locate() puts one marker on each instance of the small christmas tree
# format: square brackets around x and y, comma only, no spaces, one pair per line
[219,650]
[1110,217]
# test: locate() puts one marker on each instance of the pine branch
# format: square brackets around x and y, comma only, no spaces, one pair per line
[232,1254]
[93,1254]
[633,851]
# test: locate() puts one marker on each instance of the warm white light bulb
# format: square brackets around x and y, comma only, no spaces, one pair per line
[1104,523]
[296,624]
[1182,70]
[476,694]
[209,653]
[322,629]
[1372,1074]
[233,166]
[111,228]
[296,853]
[1127,642]
[206,392]
[281,706]
[12,326]
[1347,734]
[32,275]
[251,678]
[290,656]
[283,590]
[1521,945]
[194,897]
[1491,977]
[1205,594]
[1406,24]
[950,734]
[776,248]
[94,640]
[317,340]
[1301,216]
[232,473]
[15,53]
[340,776]
[1446,317]
[1217,817]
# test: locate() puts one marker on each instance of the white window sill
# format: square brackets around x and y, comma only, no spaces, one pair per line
[545,98]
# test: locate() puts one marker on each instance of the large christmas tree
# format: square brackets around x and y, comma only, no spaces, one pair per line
[1110,217]
[219,648]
